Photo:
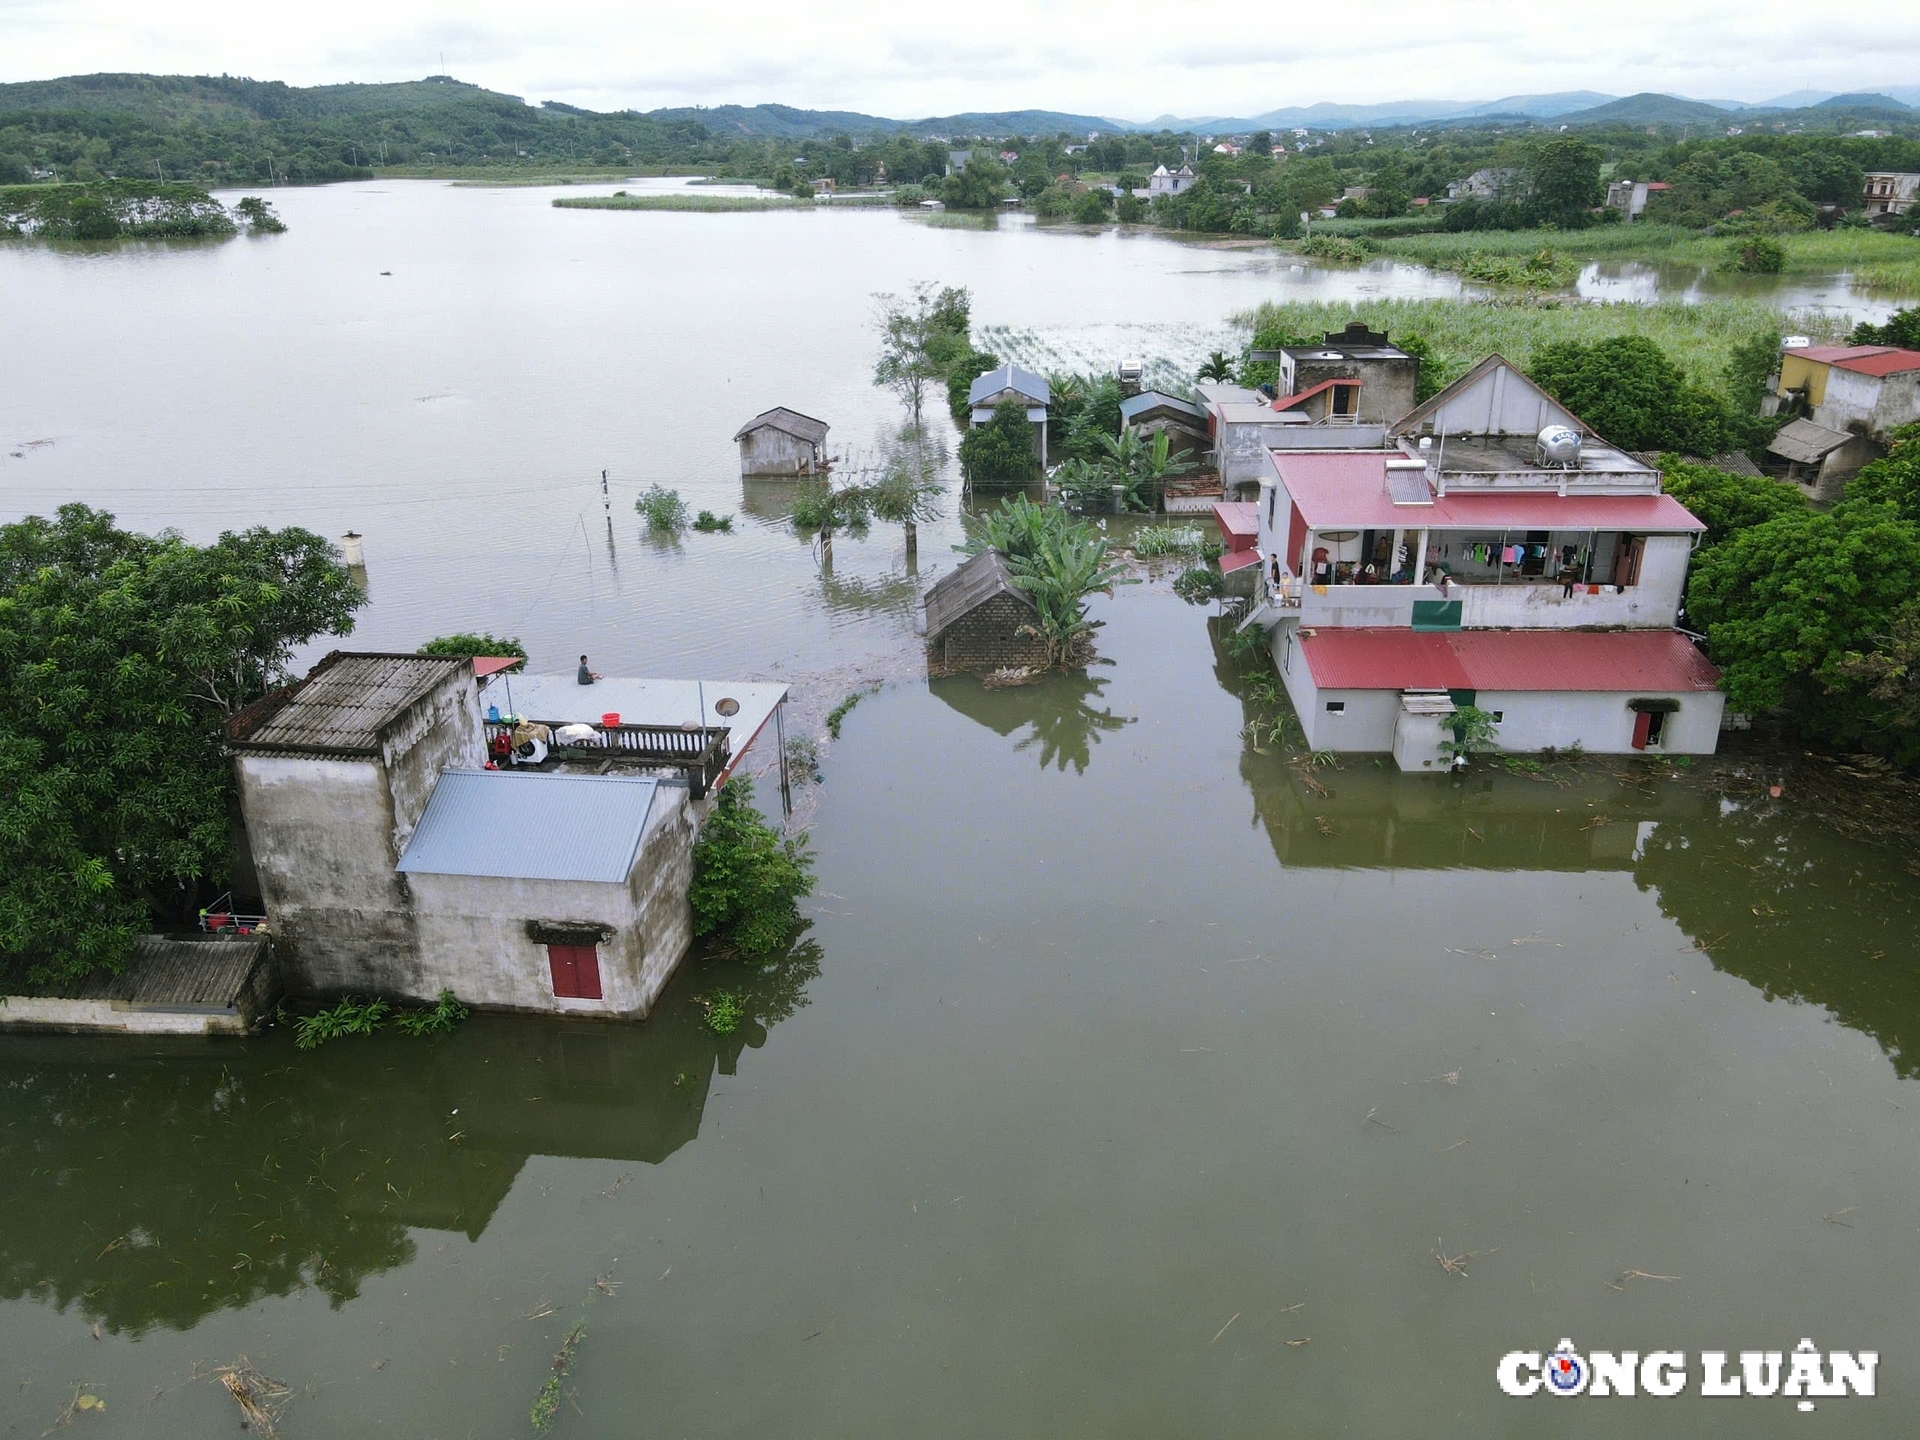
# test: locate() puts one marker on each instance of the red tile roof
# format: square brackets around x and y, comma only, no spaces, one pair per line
[1650,661]
[1348,490]
[1878,360]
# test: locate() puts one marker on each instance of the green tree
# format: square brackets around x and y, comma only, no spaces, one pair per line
[1563,183]
[1783,604]
[980,186]
[1430,379]
[1629,391]
[747,881]
[922,336]
[1091,208]
[1725,502]
[1001,452]
[471,645]
[962,370]
[1902,328]
[1895,478]
[120,656]
[1217,367]
[1387,191]
[259,215]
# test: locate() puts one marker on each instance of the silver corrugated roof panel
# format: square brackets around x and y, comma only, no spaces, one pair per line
[343,705]
[531,826]
[1806,442]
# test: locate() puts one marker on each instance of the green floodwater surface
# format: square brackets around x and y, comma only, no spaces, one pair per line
[1123,1084]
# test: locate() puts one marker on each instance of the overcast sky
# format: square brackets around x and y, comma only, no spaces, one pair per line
[1130,61]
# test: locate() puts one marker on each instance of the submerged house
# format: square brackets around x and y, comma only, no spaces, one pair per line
[395,859]
[977,618]
[1500,555]
[782,442]
[1021,387]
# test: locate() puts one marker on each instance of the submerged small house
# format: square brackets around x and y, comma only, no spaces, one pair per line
[395,860]
[977,618]
[782,442]
[1021,387]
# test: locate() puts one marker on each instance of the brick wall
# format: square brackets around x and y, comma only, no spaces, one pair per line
[989,637]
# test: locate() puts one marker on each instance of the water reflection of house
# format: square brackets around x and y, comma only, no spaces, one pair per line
[1057,713]
[326,1165]
[394,858]
[1502,557]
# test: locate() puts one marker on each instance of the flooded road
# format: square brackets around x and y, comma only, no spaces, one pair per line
[1128,1080]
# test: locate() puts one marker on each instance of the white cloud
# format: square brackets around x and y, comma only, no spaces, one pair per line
[1127,59]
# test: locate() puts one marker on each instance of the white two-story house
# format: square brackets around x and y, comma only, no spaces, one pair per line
[1496,554]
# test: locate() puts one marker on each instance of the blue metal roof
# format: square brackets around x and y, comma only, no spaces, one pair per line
[531,826]
[1154,399]
[1009,377]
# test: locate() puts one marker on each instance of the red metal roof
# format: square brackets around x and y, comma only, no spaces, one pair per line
[1651,661]
[1234,560]
[1287,402]
[485,665]
[1878,360]
[1239,522]
[1348,490]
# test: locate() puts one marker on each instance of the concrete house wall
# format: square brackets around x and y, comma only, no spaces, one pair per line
[1871,403]
[769,451]
[474,936]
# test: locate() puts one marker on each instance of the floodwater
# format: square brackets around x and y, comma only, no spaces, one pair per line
[1129,1080]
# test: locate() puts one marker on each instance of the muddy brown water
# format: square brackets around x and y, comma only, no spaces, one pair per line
[1116,1058]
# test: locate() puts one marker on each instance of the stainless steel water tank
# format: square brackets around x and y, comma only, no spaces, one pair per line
[1558,446]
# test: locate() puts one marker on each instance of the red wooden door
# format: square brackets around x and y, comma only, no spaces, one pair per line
[1642,726]
[576,971]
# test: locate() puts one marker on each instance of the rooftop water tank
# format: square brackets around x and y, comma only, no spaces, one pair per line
[1558,446]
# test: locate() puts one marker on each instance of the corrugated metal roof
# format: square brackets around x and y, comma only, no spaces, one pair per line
[1288,402]
[1880,360]
[174,972]
[1148,400]
[1806,443]
[1009,377]
[1652,661]
[974,582]
[1239,522]
[1332,489]
[792,422]
[343,705]
[520,826]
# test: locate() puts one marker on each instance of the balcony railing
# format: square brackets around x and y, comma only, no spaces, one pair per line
[701,752]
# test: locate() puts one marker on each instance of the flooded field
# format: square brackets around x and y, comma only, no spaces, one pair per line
[1130,1079]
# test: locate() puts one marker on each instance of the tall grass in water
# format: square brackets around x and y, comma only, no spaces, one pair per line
[1463,332]
[711,203]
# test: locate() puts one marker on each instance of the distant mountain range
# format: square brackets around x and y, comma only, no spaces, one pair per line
[179,97]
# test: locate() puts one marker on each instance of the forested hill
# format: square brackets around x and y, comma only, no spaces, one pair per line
[225,130]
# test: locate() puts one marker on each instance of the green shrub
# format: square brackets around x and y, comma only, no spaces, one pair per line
[1756,255]
[468,644]
[1001,452]
[349,1017]
[708,523]
[664,509]
[746,879]
[1200,583]
[725,1012]
[1167,540]
[440,1018]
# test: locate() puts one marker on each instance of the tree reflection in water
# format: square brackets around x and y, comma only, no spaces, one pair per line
[154,1182]
[1057,710]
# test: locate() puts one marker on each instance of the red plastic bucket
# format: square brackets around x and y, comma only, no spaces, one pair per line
[612,717]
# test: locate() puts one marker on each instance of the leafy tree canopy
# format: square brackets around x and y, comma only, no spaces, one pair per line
[120,655]
[1001,452]
[471,645]
[1726,502]
[1629,391]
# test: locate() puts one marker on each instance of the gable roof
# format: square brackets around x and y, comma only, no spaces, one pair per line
[792,422]
[1148,400]
[1805,442]
[1010,377]
[973,582]
[1877,360]
[531,826]
[344,706]
[1497,411]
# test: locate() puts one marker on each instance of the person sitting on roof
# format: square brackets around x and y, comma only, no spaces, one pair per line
[586,676]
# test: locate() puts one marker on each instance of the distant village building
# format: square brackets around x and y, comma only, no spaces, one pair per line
[1630,197]
[1022,387]
[1150,413]
[1176,183]
[1496,554]
[957,161]
[1890,192]
[782,442]
[1491,183]
[977,618]
[394,859]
